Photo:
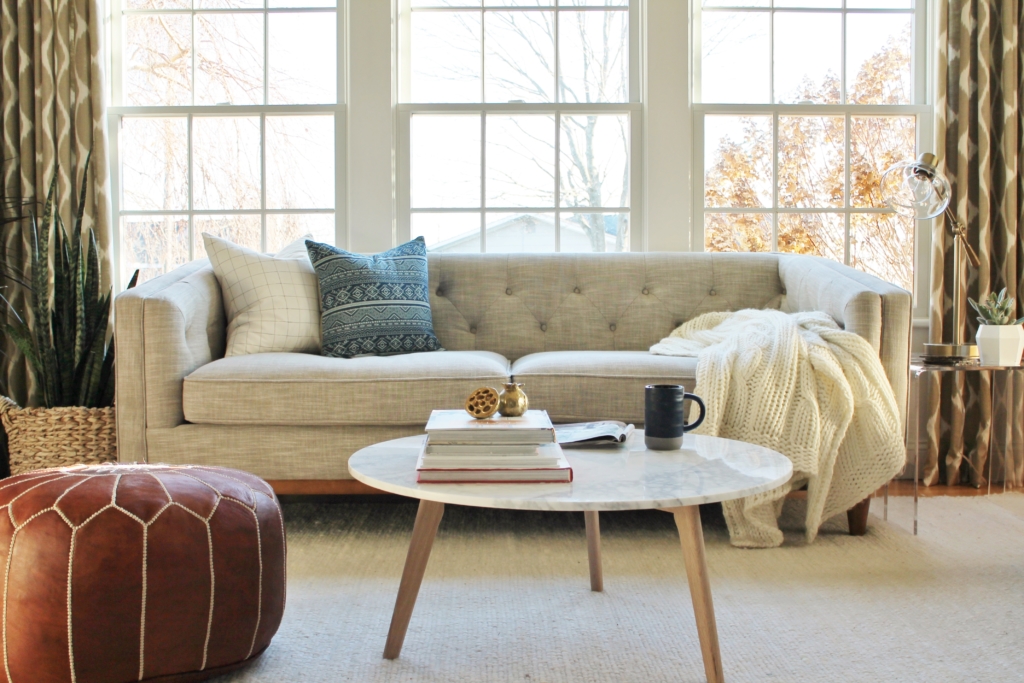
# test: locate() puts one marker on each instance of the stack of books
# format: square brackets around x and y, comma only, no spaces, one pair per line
[462,449]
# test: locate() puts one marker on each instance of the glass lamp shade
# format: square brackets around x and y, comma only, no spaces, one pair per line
[916,188]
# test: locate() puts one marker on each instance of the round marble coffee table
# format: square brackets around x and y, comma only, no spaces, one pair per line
[628,477]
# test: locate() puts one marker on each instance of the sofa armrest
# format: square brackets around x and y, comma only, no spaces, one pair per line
[862,303]
[163,330]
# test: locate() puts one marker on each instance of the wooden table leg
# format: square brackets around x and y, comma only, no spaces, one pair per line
[427,518]
[594,549]
[691,536]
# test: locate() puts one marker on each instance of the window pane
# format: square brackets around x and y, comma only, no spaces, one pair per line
[736,3]
[735,59]
[595,160]
[300,162]
[738,161]
[158,60]
[154,163]
[445,57]
[878,48]
[283,229]
[811,161]
[445,3]
[809,3]
[594,52]
[520,232]
[451,232]
[243,229]
[152,244]
[737,232]
[303,59]
[883,244]
[302,3]
[228,4]
[593,3]
[520,160]
[520,59]
[157,4]
[876,143]
[880,4]
[518,3]
[808,57]
[226,162]
[818,234]
[229,59]
[588,232]
[445,160]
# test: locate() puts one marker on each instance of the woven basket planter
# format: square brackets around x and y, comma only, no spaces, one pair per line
[57,437]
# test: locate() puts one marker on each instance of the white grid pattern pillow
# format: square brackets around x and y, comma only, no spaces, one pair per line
[272,302]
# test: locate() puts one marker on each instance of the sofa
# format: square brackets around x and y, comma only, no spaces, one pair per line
[574,328]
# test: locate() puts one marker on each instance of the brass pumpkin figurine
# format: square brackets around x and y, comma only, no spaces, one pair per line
[513,401]
[482,403]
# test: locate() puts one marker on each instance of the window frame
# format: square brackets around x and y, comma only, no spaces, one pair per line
[632,108]
[920,108]
[118,110]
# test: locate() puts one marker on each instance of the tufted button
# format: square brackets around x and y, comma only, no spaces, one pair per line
[508,290]
[646,291]
[439,292]
[576,290]
[612,327]
[783,292]
[677,324]
[712,292]
[543,327]
[472,330]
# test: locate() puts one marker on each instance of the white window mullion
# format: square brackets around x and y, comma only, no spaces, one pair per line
[191,191]
[483,182]
[775,182]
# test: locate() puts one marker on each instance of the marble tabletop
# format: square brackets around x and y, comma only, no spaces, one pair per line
[706,469]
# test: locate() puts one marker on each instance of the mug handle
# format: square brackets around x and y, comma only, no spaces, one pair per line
[703,411]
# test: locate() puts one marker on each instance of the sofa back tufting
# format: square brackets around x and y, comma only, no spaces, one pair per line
[518,304]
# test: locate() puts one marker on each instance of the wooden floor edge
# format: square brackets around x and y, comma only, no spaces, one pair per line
[322,487]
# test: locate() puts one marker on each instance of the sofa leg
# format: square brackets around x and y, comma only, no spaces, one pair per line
[857,516]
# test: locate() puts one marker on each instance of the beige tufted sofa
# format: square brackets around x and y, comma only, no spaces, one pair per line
[574,328]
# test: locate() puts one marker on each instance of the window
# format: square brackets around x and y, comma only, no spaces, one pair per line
[224,121]
[522,125]
[801,106]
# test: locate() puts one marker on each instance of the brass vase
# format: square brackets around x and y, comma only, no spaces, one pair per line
[513,402]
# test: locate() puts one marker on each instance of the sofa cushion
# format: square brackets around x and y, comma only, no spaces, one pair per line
[576,386]
[374,304]
[271,301]
[303,389]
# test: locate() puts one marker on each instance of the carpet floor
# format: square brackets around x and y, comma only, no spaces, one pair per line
[506,598]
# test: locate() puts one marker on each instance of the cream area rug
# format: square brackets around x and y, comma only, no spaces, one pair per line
[506,598]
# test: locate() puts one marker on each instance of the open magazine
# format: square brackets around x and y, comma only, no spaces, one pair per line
[591,433]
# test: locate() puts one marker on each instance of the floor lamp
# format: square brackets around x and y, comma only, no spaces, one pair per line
[916,188]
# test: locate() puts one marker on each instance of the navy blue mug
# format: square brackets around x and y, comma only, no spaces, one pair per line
[665,417]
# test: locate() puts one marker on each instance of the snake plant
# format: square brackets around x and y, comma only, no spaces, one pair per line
[996,309]
[66,344]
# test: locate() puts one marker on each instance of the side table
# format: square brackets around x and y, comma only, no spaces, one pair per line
[915,415]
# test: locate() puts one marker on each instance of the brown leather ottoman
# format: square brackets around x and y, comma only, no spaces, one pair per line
[119,573]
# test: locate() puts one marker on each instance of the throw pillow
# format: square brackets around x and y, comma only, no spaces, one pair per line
[374,304]
[271,301]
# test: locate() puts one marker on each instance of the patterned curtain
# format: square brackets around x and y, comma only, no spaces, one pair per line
[52,99]
[979,93]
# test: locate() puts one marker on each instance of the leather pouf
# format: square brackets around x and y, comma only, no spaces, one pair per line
[116,573]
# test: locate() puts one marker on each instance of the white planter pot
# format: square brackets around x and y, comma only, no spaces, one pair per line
[1000,344]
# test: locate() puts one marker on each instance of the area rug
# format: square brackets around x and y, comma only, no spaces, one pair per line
[506,598]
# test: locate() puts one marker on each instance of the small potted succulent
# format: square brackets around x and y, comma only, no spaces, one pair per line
[1000,337]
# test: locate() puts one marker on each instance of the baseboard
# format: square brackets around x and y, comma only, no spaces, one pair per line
[322,487]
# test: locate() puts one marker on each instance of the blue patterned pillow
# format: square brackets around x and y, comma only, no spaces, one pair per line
[374,304]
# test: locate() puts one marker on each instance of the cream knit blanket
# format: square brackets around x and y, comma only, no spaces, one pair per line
[797,384]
